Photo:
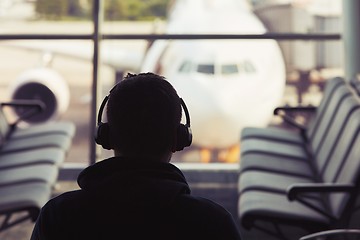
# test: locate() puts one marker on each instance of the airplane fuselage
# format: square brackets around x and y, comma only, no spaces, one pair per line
[226,84]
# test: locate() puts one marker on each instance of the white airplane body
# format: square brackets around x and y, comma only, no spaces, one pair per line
[226,84]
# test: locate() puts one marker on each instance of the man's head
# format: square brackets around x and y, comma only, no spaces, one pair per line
[143,113]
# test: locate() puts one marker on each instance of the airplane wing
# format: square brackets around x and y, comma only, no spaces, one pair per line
[118,55]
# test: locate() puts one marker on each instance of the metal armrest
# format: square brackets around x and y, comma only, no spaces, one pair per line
[295,109]
[290,120]
[323,234]
[298,188]
[25,103]
[295,190]
[282,112]
[35,107]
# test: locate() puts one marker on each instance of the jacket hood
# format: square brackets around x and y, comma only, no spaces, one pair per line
[134,179]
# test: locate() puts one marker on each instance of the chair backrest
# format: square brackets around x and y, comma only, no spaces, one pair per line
[333,146]
[330,87]
[4,127]
[345,170]
[355,83]
[327,129]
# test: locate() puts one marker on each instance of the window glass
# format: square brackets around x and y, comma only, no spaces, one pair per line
[63,66]
[249,67]
[229,69]
[206,68]
[185,67]
[72,59]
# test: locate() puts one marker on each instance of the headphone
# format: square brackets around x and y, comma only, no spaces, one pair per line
[183,132]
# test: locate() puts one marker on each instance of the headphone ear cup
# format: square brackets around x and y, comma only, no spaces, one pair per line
[103,136]
[184,137]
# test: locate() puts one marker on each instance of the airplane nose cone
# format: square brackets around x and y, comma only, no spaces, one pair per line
[219,109]
[214,122]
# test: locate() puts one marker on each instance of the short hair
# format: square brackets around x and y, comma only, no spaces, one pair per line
[143,112]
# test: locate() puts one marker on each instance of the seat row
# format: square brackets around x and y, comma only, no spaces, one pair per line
[30,159]
[307,178]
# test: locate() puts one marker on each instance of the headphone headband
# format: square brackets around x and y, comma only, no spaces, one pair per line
[184,135]
[187,116]
[102,107]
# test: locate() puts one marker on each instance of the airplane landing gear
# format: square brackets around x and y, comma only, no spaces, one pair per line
[229,155]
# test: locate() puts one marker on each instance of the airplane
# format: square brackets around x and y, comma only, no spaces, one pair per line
[227,84]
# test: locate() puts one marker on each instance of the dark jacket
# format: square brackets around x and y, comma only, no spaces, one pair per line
[127,199]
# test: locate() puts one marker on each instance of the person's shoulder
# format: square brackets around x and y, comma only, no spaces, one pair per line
[201,208]
[200,204]
[206,218]
[66,200]
[66,196]
[68,207]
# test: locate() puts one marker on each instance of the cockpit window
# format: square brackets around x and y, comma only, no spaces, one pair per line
[229,69]
[243,67]
[185,67]
[206,68]
[249,67]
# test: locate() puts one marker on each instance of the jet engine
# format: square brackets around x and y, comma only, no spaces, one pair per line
[42,84]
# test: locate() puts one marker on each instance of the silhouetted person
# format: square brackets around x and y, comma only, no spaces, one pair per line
[137,194]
